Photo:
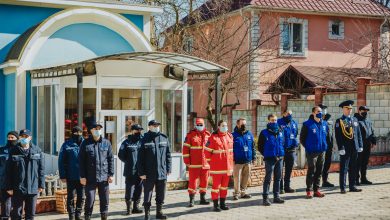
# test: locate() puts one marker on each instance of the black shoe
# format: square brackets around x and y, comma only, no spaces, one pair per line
[128,207]
[327,184]
[136,209]
[278,200]
[289,190]
[246,196]
[223,205]
[103,216]
[87,217]
[216,206]
[343,191]
[366,182]
[147,213]
[191,204]
[159,213]
[266,202]
[71,217]
[355,190]
[203,200]
[357,183]
[78,216]
[282,191]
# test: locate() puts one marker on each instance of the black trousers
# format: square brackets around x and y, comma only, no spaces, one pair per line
[75,187]
[288,164]
[149,185]
[6,205]
[134,186]
[315,163]
[90,191]
[348,163]
[363,158]
[327,163]
[30,202]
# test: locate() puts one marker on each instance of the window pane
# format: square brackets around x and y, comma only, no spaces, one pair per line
[177,142]
[286,36]
[336,29]
[125,99]
[297,37]
[54,121]
[44,119]
[89,109]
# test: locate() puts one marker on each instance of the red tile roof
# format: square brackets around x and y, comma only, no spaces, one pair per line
[343,7]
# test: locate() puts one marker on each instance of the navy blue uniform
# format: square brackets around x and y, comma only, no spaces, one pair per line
[290,132]
[329,151]
[25,175]
[154,161]
[128,153]
[5,198]
[348,162]
[68,165]
[96,165]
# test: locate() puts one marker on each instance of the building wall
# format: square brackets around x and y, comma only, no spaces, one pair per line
[378,100]
[262,112]
[242,114]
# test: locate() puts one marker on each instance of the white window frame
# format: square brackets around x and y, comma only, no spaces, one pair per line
[304,23]
[341,30]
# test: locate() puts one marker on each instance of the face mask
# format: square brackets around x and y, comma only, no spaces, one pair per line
[243,128]
[12,142]
[97,133]
[319,115]
[24,141]
[327,117]
[155,129]
[199,128]
[223,129]
[77,137]
[325,111]
[273,126]
[288,118]
[364,114]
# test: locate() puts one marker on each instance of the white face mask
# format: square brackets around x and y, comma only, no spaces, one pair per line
[97,133]
[155,129]
[199,128]
[223,129]
[325,111]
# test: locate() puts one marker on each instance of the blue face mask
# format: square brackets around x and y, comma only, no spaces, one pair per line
[223,129]
[319,115]
[273,126]
[288,118]
[24,141]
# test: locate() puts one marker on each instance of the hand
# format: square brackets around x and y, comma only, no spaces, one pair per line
[83,181]
[63,180]
[342,152]
[40,190]
[110,179]
[143,177]
[10,192]
[360,150]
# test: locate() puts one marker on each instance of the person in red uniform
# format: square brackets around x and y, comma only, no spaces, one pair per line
[219,149]
[194,158]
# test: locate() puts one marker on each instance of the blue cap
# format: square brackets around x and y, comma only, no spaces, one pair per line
[25,132]
[347,104]
[94,125]
[136,127]
[153,122]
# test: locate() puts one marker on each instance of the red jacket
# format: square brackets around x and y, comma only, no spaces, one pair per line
[193,149]
[219,150]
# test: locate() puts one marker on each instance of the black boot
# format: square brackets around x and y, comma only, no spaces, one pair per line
[103,216]
[223,205]
[136,209]
[147,212]
[159,213]
[266,201]
[203,200]
[216,206]
[78,216]
[128,207]
[71,216]
[87,217]
[191,204]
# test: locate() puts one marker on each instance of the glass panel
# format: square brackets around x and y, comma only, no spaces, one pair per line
[297,37]
[44,119]
[89,109]
[286,36]
[125,99]
[54,120]
[335,29]
[110,131]
[177,130]
[34,115]
[130,120]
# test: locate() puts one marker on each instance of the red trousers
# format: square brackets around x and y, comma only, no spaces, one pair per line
[195,174]
[220,186]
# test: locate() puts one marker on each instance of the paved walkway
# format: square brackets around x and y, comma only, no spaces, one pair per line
[372,203]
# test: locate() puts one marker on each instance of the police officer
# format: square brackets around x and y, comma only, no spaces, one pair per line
[349,143]
[313,138]
[369,141]
[154,166]
[329,150]
[270,145]
[96,170]
[289,127]
[25,176]
[128,154]
[68,166]
[12,142]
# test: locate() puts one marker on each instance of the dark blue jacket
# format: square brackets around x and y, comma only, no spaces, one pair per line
[68,160]
[96,160]
[367,130]
[25,170]
[271,145]
[4,153]
[243,147]
[343,143]
[290,132]
[154,156]
[313,135]
[128,153]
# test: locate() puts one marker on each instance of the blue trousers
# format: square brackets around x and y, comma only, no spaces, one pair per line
[348,165]
[149,185]
[5,204]
[90,191]
[272,166]
[134,186]
[30,202]
[74,186]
